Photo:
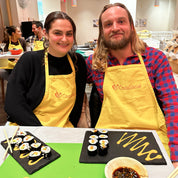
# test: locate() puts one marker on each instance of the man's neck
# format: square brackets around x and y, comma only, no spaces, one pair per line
[122,54]
[40,35]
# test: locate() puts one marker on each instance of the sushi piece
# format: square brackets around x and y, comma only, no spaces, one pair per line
[93,141]
[103,136]
[21,134]
[94,132]
[46,151]
[34,155]
[24,148]
[93,136]
[103,150]
[36,146]
[92,150]
[28,139]
[103,131]
[104,141]
[16,142]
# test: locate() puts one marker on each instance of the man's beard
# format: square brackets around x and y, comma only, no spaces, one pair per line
[119,44]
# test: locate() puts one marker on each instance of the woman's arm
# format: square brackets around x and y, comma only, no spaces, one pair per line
[80,89]
[23,43]
[20,84]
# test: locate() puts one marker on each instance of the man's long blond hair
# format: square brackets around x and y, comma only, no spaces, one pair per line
[101,52]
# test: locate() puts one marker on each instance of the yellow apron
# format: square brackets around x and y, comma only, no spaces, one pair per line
[38,45]
[130,103]
[11,46]
[59,98]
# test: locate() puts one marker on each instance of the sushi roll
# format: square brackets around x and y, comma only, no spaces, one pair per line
[94,132]
[21,134]
[24,148]
[93,136]
[103,136]
[34,155]
[104,141]
[36,146]
[92,150]
[46,151]
[93,141]
[28,139]
[103,150]
[103,131]
[16,142]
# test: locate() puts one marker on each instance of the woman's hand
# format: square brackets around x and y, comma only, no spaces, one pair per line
[175,164]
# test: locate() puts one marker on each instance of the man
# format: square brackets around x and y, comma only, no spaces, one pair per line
[38,38]
[135,81]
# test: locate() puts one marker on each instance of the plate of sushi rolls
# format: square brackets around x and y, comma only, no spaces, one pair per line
[95,146]
[30,152]
[101,145]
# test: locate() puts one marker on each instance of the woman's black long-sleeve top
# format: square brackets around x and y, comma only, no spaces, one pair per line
[26,86]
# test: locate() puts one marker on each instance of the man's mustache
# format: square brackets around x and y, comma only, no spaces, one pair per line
[116,33]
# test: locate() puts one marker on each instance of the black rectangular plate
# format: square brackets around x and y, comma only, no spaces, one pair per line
[117,150]
[24,162]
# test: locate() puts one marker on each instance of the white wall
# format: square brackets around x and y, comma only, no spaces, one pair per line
[131,6]
[172,13]
[176,17]
[158,18]
[28,13]
[83,16]
[23,14]
[50,6]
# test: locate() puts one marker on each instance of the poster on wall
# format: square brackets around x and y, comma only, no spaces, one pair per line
[26,11]
[23,3]
[141,23]
[95,23]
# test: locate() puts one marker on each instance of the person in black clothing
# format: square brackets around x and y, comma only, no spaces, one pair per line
[47,86]
[13,39]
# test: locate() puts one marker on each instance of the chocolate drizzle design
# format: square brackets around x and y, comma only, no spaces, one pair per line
[141,146]
[26,160]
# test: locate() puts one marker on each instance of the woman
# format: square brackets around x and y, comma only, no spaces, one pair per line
[47,87]
[13,39]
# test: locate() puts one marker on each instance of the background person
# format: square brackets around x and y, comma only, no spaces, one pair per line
[13,39]
[38,38]
[135,82]
[47,86]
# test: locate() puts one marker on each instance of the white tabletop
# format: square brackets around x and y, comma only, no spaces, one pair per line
[8,55]
[76,135]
